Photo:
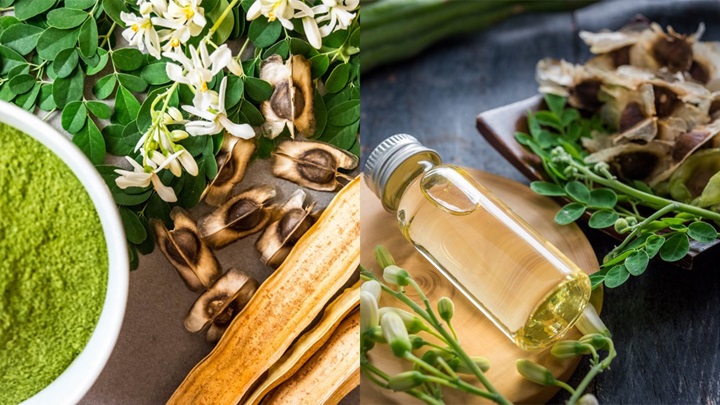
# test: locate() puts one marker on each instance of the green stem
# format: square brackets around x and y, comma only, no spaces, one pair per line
[595,370]
[658,214]
[649,200]
[462,386]
[222,17]
[369,368]
[424,365]
[564,386]
[109,33]
[430,317]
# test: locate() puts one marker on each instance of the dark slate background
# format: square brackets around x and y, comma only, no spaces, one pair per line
[665,323]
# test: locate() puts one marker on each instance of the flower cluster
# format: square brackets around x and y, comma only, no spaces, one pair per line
[192,66]
[318,21]
[178,20]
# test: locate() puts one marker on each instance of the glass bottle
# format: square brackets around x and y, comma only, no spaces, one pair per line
[519,280]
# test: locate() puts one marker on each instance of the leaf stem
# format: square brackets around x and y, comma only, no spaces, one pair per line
[659,213]
[109,33]
[222,17]
[650,200]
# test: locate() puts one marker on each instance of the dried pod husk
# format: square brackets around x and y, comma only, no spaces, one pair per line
[242,215]
[656,49]
[291,104]
[626,110]
[634,161]
[696,181]
[303,93]
[278,239]
[312,164]
[705,68]
[185,250]
[220,303]
[233,159]
[685,145]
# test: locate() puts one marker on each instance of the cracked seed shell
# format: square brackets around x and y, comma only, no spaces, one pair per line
[242,215]
[312,164]
[232,162]
[185,250]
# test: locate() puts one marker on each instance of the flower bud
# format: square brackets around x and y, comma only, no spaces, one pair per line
[590,322]
[595,340]
[235,68]
[175,115]
[535,372]
[417,342]
[178,135]
[395,334]
[406,380]
[383,257]
[632,221]
[376,334]
[373,287]
[622,226]
[368,311]
[566,349]
[588,399]
[397,276]
[481,362]
[145,8]
[430,357]
[446,309]
[413,323]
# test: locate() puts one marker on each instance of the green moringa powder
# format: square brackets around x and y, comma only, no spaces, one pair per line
[53,266]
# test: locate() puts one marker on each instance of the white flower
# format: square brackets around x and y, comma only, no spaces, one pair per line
[186,160]
[337,12]
[184,12]
[159,7]
[210,106]
[200,68]
[142,177]
[141,33]
[235,67]
[172,39]
[281,10]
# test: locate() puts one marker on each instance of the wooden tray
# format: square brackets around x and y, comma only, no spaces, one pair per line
[477,334]
[499,125]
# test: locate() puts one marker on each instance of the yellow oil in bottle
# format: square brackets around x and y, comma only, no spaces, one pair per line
[528,288]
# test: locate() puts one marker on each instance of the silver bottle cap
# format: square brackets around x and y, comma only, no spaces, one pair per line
[387,157]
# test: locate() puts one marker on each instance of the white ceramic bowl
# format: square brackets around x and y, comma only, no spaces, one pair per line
[77,379]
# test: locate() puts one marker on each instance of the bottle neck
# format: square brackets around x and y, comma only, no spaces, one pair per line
[403,175]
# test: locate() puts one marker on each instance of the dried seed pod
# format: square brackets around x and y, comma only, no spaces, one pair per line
[291,104]
[312,164]
[232,161]
[242,215]
[304,110]
[185,250]
[280,236]
[685,145]
[634,161]
[220,303]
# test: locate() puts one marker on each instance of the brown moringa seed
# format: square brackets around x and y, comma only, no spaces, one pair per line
[312,164]
[291,104]
[232,162]
[194,261]
[220,303]
[280,236]
[242,215]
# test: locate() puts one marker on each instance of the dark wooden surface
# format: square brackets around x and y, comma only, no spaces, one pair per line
[666,323]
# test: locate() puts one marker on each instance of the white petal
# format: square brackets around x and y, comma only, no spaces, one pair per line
[254,11]
[199,19]
[312,32]
[220,58]
[189,163]
[152,41]
[175,168]
[125,181]
[235,67]
[305,10]
[286,23]
[137,167]
[165,192]
[175,73]
[244,131]
[221,95]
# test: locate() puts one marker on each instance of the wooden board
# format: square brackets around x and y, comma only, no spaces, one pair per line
[477,334]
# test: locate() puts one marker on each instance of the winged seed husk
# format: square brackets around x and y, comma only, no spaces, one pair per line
[330,374]
[242,215]
[312,164]
[185,250]
[233,160]
[291,104]
[280,236]
[654,89]
[220,303]
[308,344]
[283,306]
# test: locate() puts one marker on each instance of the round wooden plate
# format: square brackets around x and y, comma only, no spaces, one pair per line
[477,334]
